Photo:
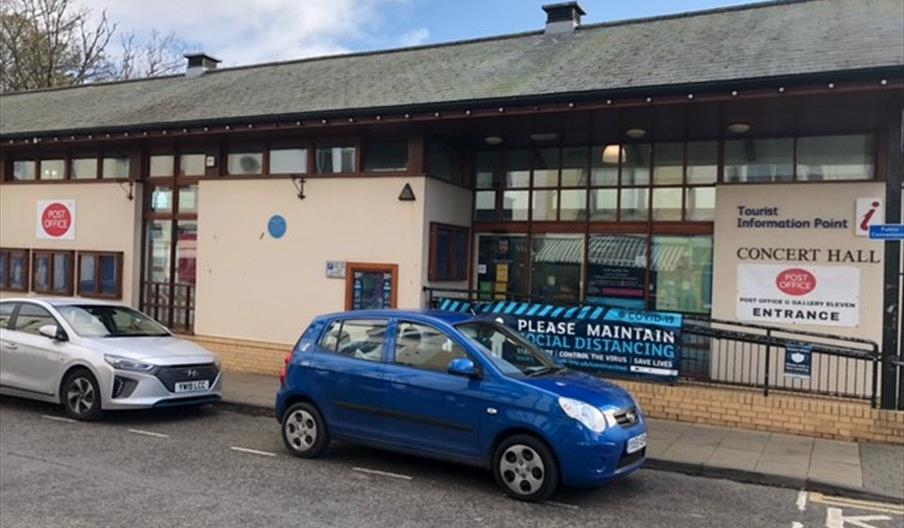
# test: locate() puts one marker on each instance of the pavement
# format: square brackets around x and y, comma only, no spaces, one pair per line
[863,470]
[214,466]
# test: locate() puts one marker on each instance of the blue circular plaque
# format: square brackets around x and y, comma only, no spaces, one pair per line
[276,226]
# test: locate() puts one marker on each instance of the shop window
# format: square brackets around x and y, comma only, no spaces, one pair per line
[84,168]
[162,199]
[546,167]
[115,168]
[289,161]
[835,158]
[53,169]
[702,162]
[188,199]
[448,253]
[556,264]
[759,160]
[191,164]
[668,164]
[335,159]
[636,165]
[681,273]
[24,170]
[573,205]
[162,165]
[14,269]
[502,266]
[574,166]
[244,163]
[616,270]
[545,205]
[52,272]
[604,162]
[100,274]
[386,156]
[517,169]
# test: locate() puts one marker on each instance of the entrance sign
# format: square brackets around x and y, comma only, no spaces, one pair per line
[869,213]
[593,338]
[816,295]
[886,232]
[798,360]
[55,220]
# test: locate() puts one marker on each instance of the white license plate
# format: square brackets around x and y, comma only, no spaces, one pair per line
[637,443]
[192,386]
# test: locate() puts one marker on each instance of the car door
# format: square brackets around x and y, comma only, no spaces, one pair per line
[347,376]
[32,362]
[425,407]
[6,344]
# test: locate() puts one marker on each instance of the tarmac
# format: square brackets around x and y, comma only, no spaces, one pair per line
[861,470]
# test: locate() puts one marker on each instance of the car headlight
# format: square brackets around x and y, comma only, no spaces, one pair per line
[124,363]
[590,416]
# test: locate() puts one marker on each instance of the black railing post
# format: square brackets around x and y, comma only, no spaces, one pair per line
[768,357]
[872,398]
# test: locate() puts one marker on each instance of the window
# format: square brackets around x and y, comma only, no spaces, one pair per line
[502,266]
[14,269]
[574,166]
[32,317]
[52,272]
[191,165]
[84,168]
[162,165]
[53,169]
[335,159]
[359,339]
[115,168]
[759,160]
[239,163]
[6,313]
[681,275]
[605,162]
[386,156]
[668,168]
[289,161]
[24,170]
[517,169]
[616,270]
[635,165]
[448,253]
[702,162]
[162,199]
[556,264]
[188,199]
[424,347]
[100,274]
[834,158]
[442,162]
[546,167]
[106,321]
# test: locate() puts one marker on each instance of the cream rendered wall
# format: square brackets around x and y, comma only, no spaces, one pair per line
[105,221]
[448,204]
[252,286]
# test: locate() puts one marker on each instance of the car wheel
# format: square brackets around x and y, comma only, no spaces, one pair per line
[525,468]
[304,431]
[81,395]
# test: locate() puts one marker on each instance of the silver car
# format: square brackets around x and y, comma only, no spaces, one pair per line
[94,356]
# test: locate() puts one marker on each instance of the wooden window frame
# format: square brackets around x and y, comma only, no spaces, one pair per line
[351,267]
[6,254]
[97,294]
[455,274]
[35,253]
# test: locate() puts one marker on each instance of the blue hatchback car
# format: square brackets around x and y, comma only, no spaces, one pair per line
[459,388]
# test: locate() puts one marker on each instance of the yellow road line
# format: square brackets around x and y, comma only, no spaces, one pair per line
[842,502]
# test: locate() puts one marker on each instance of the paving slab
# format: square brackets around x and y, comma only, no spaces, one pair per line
[740,459]
[834,451]
[836,473]
[744,440]
[689,453]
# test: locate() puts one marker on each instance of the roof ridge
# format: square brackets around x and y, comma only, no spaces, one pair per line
[366,53]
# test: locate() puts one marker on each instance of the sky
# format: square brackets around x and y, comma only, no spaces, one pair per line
[243,32]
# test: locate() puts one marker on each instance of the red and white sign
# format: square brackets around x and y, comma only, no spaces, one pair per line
[869,211]
[794,294]
[56,219]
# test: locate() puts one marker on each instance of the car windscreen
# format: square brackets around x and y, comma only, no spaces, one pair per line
[110,321]
[507,349]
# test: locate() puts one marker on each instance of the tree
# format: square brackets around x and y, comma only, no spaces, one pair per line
[49,43]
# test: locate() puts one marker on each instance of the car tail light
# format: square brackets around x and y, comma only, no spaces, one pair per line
[284,370]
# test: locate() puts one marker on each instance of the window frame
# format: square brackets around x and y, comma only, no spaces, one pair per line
[455,274]
[97,294]
[6,254]
[50,253]
[14,319]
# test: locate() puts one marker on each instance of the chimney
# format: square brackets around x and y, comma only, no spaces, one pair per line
[199,64]
[564,17]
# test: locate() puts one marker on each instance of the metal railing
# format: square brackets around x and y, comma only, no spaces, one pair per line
[717,351]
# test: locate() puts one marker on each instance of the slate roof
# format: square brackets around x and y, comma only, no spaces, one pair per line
[775,39]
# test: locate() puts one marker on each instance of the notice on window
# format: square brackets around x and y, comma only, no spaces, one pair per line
[805,295]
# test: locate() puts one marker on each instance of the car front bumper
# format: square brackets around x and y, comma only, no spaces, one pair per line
[591,459]
[147,391]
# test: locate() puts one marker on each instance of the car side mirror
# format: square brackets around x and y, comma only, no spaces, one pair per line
[463,367]
[53,332]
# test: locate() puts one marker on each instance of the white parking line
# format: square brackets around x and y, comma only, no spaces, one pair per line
[148,433]
[253,451]
[382,473]
[58,418]
[562,505]
[802,500]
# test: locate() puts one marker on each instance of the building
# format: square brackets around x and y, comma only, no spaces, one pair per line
[681,163]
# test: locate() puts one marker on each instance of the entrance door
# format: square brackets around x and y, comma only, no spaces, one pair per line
[371,286]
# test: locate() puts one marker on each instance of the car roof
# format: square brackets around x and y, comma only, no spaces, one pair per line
[436,315]
[61,301]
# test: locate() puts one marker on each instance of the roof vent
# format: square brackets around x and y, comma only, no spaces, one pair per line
[564,17]
[199,63]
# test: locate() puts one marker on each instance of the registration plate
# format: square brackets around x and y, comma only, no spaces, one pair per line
[192,386]
[637,443]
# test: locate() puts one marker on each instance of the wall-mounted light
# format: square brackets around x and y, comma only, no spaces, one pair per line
[130,195]
[612,153]
[492,140]
[636,133]
[298,182]
[739,128]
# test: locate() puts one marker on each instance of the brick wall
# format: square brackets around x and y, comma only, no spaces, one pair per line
[746,409]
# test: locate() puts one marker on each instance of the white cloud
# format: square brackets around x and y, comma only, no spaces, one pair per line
[247,32]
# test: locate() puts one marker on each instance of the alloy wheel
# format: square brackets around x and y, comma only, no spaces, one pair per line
[81,396]
[522,469]
[301,430]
